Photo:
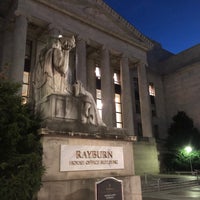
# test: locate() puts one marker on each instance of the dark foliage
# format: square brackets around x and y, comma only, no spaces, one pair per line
[181,134]
[20,148]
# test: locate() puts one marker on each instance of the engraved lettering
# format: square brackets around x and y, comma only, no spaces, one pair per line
[94,154]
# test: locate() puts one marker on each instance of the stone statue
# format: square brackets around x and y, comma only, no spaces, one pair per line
[52,69]
[51,76]
[89,112]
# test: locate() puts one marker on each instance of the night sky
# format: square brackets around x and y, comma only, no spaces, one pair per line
[175,24]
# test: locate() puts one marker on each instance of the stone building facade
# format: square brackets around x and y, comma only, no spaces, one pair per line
[137,85]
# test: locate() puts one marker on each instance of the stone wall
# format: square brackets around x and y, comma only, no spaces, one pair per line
[182,93]
[180,60]
[146,157]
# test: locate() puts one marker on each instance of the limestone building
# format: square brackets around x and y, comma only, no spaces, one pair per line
[137,85]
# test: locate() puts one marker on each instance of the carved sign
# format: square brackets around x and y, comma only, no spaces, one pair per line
[78,158]
[109,189]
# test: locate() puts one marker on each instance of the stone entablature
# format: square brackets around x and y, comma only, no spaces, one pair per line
[93,15]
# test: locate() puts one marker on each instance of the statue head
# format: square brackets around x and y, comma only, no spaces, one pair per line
[57,44]
[69,43]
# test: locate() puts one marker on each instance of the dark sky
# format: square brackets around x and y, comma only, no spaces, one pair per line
[175,24]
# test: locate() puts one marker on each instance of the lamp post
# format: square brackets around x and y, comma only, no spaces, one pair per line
[188,149]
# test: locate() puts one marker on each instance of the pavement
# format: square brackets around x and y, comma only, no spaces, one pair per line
[188,193]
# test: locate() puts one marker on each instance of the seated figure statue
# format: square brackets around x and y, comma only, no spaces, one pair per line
[51,76]
[51,72]
[89,112]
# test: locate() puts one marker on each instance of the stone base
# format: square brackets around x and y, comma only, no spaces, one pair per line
[84,189]
[63,113]
[80,184]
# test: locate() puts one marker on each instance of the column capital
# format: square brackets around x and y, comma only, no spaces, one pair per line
[104,55]
[80,42]
[124,56]
[141,63]
[19,13]
[104,47]
[79,38]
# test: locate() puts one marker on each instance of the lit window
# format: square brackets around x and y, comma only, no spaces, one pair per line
[152,98]
[152,89]
[25,87]
[118,106]
[98,90]
[99,102]
[117,98]
[98,72]
[116,78]
[118,110]
[26,75]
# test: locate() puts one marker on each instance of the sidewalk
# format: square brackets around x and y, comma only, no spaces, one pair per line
[189,193]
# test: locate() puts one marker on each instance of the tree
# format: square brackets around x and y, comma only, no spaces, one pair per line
[20,148]
[181,134]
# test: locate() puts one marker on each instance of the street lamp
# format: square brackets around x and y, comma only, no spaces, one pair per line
[188,150]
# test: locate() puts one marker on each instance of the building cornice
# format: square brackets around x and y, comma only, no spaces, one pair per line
[148,45]
[128,25]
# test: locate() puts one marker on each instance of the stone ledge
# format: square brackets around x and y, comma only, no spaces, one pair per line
[81,132]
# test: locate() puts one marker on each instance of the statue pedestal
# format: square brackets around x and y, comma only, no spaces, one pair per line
[78,155]
[63,113]
[74,165]
[60,107]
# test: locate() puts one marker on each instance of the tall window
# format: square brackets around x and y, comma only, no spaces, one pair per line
[99,101]
[98,72]
[137,95]
[98,89]
[25,87]
[118,106]
[152,94]
[152,91]
[26,75]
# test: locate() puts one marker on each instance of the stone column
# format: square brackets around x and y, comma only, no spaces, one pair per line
[127,107]
[91,80]
[146,116]
[19,48]
[81,61]
[107,89]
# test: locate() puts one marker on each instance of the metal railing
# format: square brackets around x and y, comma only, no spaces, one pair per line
[152,182]
[152,178]
[197,173]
